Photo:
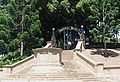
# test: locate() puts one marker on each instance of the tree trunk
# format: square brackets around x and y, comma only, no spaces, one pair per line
[103,13]
[21,52]
[22,26]
[117,37]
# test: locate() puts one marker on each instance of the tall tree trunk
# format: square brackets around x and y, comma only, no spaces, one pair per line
[21,52]
[103,13]
[117,37]
[22,25]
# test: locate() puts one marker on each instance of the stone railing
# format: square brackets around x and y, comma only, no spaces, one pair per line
[95,67]
[80,45]
[19,66]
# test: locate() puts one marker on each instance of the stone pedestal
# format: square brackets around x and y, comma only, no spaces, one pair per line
[47,60]
[48,55]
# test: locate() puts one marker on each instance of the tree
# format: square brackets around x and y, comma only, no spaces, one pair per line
[3,47]
[105,11]
[17,27]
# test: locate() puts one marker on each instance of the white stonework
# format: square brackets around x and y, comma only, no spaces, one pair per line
[41,81]
[47,60]
[50,65]
[46,69]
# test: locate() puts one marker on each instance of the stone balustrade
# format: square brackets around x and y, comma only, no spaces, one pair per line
[14,68]
[49,44]
[80,45]
[95,67]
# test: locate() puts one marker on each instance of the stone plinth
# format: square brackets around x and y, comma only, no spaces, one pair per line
[47,60]
[48,55]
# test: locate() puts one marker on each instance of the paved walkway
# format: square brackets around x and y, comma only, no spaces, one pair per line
[108,61]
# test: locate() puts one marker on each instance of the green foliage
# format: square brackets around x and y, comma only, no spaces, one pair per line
[3,35]
[10,9]
[3,47]
[105,11]
[24,36]
[95,35]
[66,5]
[52,6]
[11,22]
[11,58]
[13,45]
[27,9]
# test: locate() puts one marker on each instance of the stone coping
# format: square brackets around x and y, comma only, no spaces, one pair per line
[37,50]
[45,80]
[1,69]
[76,50]
[93,63]
[19,62]
[49,44]
[112,67]
[49,41]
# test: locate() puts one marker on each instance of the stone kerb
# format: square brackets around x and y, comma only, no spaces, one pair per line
[48,55]
[95,67]
[15,68]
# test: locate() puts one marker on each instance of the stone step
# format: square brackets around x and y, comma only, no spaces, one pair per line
[51,76]
[48,81]
[67,55]
[41,81]
[70,71]
[24,71]
[48,78]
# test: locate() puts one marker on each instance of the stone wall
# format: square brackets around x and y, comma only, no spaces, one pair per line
[12,69]
[97,68]
[94,67]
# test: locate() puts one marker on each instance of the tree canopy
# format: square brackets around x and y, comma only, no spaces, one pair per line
[11,20]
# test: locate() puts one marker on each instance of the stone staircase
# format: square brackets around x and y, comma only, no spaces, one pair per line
[71,72]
